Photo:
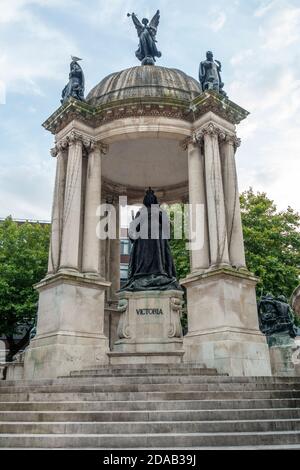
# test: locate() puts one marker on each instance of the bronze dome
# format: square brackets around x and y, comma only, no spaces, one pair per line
[144,81]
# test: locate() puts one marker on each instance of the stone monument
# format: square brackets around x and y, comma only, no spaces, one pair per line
[146,126]
[151,300]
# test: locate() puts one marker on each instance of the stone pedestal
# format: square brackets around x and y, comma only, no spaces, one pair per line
[223,324]
[149,329]
[282,348]
[70,328]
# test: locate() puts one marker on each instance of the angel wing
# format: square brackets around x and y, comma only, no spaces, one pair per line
[138,25]
[154,23]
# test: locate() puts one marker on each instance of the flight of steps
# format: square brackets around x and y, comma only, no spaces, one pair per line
[154,406]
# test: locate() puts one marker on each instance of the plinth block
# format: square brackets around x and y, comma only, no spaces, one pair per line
[149,325]
[70,328]
[223,323]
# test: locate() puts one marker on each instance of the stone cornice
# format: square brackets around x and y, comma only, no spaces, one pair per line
[72,278]
[223,272]
[148,106]
[218,104]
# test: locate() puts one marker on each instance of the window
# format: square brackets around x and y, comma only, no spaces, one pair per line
[123,271]
[125,247]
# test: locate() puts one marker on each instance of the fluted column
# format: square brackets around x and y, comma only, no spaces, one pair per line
[60,152]
[91,243]
[197,208]
[114,258]
[72,206]
[232,202]
[215,198]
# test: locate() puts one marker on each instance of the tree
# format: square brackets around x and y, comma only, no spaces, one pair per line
[23,262]
[272,244]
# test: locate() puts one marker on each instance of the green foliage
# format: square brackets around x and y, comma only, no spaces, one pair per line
[272,243]
[178,246]
[23,262]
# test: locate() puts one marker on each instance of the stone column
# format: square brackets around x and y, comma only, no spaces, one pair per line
[232,202]
[114,258]
[91,243]
[197,201]
[215,198]
[60,151]
[72,206]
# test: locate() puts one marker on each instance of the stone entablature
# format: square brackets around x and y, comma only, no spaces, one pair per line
[188,111]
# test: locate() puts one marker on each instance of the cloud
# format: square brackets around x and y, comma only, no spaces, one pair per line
[258,46]
[282,30]
[241,56]
[32,50]
[268,85]
[218,21]
[264,8]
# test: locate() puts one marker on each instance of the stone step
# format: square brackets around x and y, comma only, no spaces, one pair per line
[143,379]
[147,395]
[152,415]
[135,441]
[148,405]
[162,427]
[150,387]
[144,371]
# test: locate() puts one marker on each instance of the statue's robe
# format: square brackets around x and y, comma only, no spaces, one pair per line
[147,46]
[151,265]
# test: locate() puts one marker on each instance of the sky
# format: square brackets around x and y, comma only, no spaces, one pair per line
[257,41]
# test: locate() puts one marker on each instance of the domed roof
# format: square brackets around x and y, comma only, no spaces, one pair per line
[144,81]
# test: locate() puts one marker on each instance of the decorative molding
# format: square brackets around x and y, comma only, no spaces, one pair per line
[96,116]
[175,329]
[123,330]
[219,105]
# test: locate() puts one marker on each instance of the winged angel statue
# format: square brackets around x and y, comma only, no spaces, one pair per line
[147,50]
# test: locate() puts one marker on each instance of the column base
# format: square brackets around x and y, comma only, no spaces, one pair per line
[70,327]
[223,323]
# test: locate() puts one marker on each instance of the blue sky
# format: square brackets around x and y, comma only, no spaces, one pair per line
[256,40]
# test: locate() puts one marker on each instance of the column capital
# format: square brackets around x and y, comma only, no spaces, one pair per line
[75,137]
[186,142]
[231,139]
[60,146]
[89,144]
[100,146]
[216,131]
